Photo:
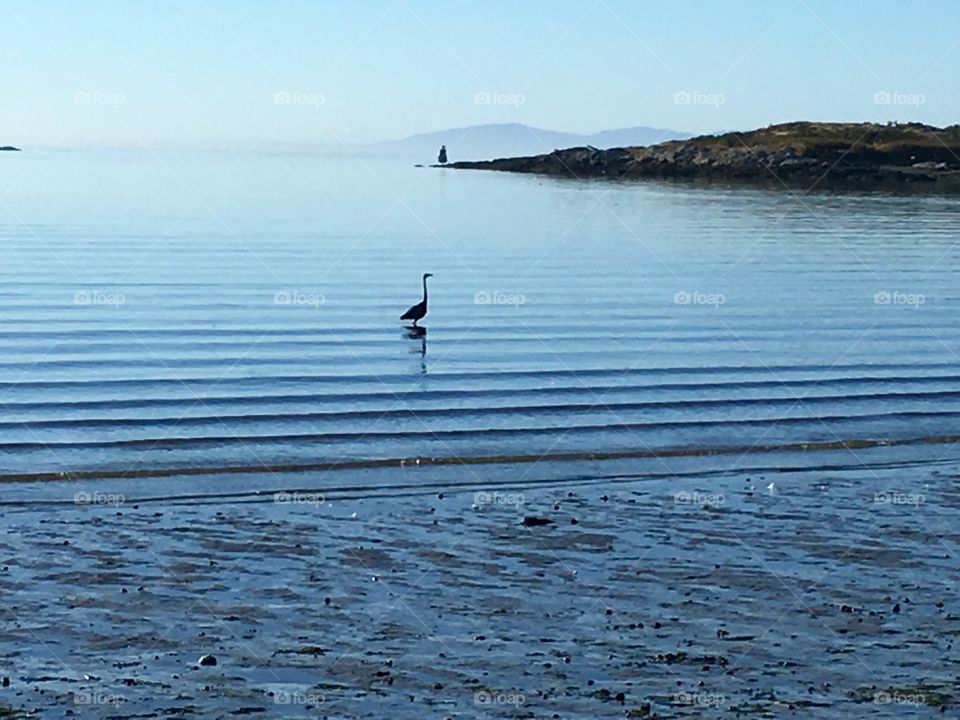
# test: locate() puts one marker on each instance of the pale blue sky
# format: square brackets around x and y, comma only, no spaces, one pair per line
[224,71]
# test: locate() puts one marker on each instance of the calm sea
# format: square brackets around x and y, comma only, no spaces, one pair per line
[182,322]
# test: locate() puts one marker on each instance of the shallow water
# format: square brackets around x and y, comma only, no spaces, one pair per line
[146,323]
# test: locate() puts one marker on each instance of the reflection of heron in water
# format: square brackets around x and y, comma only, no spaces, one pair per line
[419,332]
[416,312]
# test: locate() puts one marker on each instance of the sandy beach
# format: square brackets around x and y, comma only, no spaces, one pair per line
[645,598]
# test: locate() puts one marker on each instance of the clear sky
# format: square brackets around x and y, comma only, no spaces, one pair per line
[224,71]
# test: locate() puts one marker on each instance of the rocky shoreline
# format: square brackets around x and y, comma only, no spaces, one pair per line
[863,156]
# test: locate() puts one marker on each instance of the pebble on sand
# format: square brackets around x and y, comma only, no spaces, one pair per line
[532,521]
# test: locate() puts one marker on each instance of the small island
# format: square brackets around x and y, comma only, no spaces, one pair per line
[856,156]
[9,148]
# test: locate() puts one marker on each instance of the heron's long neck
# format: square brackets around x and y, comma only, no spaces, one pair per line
[424,289]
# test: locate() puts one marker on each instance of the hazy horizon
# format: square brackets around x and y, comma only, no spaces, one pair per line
[213,73]
[333,147]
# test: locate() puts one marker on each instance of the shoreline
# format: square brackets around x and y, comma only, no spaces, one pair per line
[514,459]
[666,598]
[830,156]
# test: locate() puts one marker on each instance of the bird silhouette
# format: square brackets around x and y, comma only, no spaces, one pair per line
[416,312]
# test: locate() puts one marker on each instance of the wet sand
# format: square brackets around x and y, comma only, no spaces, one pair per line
[831,595]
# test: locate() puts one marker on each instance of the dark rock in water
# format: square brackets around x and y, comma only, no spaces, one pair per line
[532,521]
[208,660]
[9,148]
[6,682]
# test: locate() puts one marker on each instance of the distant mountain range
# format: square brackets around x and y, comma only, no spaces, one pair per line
[480,142]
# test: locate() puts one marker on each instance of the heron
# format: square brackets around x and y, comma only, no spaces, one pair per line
[417,311]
